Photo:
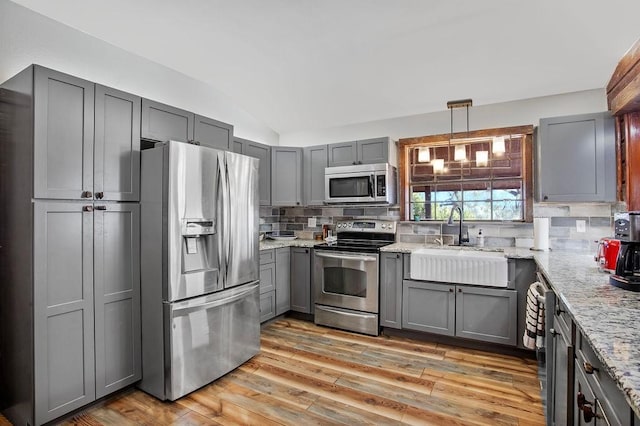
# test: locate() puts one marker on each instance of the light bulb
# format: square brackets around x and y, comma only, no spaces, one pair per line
[482,158]
[460,153]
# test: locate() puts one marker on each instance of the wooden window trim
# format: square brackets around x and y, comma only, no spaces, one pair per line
[407,144]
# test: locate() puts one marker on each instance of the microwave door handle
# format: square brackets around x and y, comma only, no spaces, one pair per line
[371,186]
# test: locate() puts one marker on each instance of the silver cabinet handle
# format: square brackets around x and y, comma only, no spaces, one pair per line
[343,256]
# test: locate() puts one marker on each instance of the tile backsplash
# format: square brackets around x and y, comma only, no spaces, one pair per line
[597,217]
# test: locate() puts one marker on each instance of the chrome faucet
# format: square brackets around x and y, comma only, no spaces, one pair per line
[450,222]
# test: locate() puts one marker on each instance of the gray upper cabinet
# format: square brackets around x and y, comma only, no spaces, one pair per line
[429,307]
[315,160]
[63,309]
[576,158]
[343,154]
[283,280]
[212,133]
[63,135]
[367,151]
[164,123]
[391,290]
[487,314]
[286,178]
[117,145]
[117,296]
[301,280]
[263,153]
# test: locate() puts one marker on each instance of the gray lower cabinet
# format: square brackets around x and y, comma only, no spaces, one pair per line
[116,277]
[478,313]
[267,306]
[562,381]
[212,133]
[391,290]
[116,145]
[163,123]
[315,161]
[63,129]
[283,280]
[263,153]
[286,177]
[301,280]
[487,314]
[429,307]
[63,309]
[576,158]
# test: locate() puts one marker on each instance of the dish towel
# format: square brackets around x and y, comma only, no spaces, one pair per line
[533,337]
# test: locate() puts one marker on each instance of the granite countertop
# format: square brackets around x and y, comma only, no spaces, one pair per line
[268,244]
[605,314]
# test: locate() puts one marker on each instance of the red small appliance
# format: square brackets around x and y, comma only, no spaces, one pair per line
[607,254]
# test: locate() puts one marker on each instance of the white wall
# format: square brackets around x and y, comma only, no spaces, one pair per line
[27,37]
[522,112]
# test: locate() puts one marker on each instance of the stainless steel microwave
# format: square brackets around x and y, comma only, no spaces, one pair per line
[364,183]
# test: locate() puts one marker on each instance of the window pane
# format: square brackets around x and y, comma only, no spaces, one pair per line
[476,191]
[507,190]
[508,210]
[480,210]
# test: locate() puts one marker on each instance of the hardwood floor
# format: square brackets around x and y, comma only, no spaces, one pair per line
[308,375]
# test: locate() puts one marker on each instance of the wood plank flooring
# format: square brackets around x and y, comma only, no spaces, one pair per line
[309,375]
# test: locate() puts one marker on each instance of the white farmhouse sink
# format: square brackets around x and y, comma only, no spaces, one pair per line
[460,266]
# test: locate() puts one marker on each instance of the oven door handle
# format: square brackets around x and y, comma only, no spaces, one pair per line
[346,256]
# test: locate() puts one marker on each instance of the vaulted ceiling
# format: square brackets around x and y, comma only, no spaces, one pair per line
[312,64]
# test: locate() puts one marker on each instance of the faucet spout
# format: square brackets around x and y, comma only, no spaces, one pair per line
[450,222]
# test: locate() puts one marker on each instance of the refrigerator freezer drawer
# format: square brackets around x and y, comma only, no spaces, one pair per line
[210,336]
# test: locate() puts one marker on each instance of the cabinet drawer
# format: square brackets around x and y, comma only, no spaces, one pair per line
[267,277]
[608,394]
[267,256]
[267,306]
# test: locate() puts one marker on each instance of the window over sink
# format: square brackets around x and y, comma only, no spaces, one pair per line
[487,172]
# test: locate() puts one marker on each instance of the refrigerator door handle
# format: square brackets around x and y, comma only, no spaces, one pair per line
[228,217]
[212,304]
[221,231]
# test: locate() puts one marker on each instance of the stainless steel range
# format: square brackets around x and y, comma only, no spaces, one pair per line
[345,276]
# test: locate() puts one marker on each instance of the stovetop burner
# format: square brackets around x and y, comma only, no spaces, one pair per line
[363,236]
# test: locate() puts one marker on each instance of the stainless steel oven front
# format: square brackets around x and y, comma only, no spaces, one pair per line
[346,290]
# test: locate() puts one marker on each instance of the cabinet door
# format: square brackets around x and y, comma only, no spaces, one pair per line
[371,151]
[237,146]
[301,280]
[212,133]
[428,307]
[267,306]
[315,161]
[286,183]
[165,123]
[117,296]
[487,314]
[63,339]
[343,154]
[63,136]
[576,158]
[262,153]
[283,280]
[267,277]
[117,145]
[391,290]
[562,358]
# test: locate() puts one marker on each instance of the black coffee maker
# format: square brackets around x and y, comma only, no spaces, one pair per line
[627,274]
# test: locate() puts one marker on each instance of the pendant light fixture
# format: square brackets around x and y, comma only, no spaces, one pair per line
[498,145]
[460,153]
[482,158]
[423,154]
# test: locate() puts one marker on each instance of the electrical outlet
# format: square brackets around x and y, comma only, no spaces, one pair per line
[581,226]
[311,222]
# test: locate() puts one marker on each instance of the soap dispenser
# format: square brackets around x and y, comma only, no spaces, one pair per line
[480,240]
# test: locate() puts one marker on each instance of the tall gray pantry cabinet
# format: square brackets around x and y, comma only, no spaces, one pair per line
[69,243]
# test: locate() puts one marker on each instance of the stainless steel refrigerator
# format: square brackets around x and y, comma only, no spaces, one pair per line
[199,267]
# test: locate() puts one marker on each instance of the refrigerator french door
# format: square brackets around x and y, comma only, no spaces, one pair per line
[200,296]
